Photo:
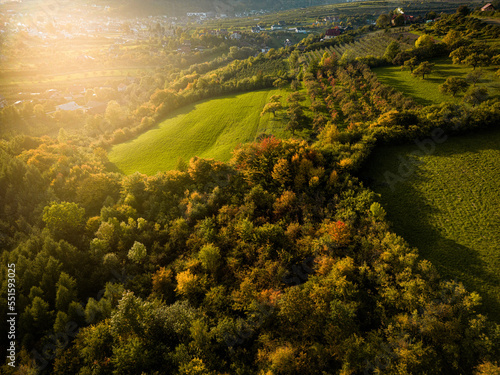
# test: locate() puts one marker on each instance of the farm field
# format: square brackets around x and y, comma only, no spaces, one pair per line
[449,208]
[373,44]
[208,129]
[426,91]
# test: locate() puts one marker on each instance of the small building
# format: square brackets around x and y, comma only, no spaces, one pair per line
[300,30]
[77,90]
[122,87]
[276,27]
[71,106]
[332,33]
[331,19]
[256,29]
[488,8]
[194,14]
[184,49]
[96,108]
[236,35]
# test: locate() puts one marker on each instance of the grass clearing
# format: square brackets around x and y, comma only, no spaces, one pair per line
[449,208]
[426,91]
[207,129]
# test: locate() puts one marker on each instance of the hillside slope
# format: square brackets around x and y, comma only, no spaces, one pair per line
[209,129]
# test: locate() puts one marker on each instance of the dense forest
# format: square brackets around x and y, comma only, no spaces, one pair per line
[280,261]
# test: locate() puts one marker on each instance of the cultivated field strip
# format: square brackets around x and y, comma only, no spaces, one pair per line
[374,45]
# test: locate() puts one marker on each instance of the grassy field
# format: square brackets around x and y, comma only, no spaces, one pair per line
[449,208]
[426,91]
[208,129]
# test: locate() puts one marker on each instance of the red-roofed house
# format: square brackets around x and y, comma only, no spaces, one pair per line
[331,33]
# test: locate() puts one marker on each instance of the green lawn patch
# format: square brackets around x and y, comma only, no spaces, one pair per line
[208,129]
[426,91]
[449,208]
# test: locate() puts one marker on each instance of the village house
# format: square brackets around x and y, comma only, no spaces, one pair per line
[71,106]
[488,8]
[331,19]
[54,94]
[77,90]
[184,49]
[95,108]
[332,33]
[122,87]
[236,35]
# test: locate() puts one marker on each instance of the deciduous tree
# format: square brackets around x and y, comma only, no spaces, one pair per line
[65,220]
[453,85]
[411,64]
[272,107]
[392,50]
[475,95]
[424,41]
[423,69]
[476,59]
[383,21]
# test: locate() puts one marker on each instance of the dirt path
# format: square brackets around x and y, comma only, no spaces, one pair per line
[492,21]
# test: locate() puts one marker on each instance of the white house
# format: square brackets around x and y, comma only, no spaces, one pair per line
[235,35]
[71,106]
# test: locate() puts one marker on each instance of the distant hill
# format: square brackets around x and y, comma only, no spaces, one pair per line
[142,8]
[180,7]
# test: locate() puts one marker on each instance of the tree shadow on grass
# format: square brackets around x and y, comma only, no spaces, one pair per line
[405,86]
[452,260]
[411,217]
[447,70]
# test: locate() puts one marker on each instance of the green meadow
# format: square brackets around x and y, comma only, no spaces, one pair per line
[426,91]
[448,207]
[209,129]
